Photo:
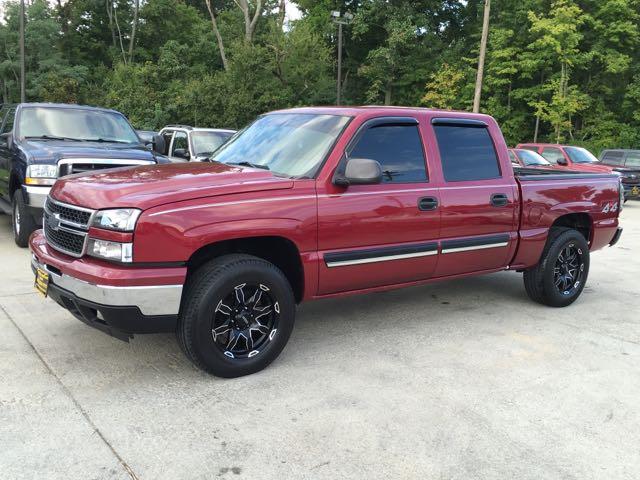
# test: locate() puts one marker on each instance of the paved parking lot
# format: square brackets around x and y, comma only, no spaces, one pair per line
[458,380]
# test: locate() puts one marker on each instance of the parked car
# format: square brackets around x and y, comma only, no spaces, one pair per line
[627,163]
[521,157]
[312,203]
[40,142]
[567,156]
[146,136]
[185,143]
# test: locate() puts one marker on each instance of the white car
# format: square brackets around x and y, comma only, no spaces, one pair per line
[192,144]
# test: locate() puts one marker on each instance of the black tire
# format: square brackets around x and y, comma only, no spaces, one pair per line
[202,307]
[21,220]
[540,282]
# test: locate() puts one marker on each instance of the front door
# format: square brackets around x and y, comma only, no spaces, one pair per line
[384,234]
[7,117]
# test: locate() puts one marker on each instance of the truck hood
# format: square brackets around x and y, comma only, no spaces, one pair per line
[153,185]
[50,151]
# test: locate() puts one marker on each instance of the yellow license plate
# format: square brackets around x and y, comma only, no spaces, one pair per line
[635,191]
[42,281]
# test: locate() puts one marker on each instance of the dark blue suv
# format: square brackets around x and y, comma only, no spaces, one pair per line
[40,142]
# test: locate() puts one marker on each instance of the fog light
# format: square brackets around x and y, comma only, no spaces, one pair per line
[120,252]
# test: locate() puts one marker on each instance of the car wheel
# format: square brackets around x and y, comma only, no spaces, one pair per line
[561,274]
[21,220]
[237,314]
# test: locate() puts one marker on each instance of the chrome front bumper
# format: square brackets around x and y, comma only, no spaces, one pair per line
[151,300]
[35,195]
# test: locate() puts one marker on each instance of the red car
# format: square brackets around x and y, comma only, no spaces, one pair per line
[521,157]
[567,156]
[312,203]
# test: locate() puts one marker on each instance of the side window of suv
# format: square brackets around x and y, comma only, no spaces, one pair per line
[398,149]
[612,157]
[7,126]
[467,153]
[179,141]
[553,155]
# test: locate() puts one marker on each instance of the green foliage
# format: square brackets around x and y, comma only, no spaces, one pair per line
[573,65]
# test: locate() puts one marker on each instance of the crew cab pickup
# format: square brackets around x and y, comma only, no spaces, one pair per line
[40,142]
[311,203]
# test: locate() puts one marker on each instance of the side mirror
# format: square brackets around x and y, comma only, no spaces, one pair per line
[158,144]
[562,161]
[360,171]
[6,139]
[181,153]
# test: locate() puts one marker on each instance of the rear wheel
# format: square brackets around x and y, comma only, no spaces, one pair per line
[21,220]
[237,315]
[560,277]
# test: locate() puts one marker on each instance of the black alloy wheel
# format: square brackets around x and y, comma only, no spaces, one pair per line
[245,320]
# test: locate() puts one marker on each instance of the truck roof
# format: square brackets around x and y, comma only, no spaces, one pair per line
[387,110]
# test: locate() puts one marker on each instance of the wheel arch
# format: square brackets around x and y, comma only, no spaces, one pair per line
[279,250]
[580,221]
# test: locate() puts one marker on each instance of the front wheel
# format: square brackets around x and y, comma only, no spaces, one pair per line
[561,274]
[237,315]
[21,220]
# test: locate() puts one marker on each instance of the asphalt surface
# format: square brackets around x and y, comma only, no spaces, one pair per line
[457,380]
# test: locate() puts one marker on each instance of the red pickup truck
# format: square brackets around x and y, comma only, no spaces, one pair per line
[311,203]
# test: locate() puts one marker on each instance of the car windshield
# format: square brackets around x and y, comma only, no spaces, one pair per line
[580,155]
[532,158]
[633,160]
[205,142]
[291,144]
[75,124]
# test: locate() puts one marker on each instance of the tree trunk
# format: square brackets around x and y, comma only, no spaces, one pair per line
[109,6]
[483,50]
[216,32]
[115,17]
[249,21]
[134,27]
[387,94]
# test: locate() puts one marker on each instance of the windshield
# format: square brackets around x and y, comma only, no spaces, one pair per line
[580,155]
[291,144]
[532,158]
[75,124]
[205,143]
[633,160]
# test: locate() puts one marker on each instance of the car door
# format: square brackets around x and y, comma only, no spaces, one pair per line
[478,226]
[7,116]
[382,234]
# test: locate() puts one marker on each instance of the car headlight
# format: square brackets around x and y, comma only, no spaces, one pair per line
[41,175]
[120,252]
[120,219]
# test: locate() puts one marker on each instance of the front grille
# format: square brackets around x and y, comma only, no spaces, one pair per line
[81,165]
[66,227]
[69,214]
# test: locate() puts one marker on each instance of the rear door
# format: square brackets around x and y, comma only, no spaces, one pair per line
[384,234]
[478,226]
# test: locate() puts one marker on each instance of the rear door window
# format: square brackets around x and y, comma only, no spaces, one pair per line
[467,153]
[552,154]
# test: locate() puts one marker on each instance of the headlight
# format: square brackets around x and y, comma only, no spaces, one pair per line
[41,174]
[120,219]
[120,252]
